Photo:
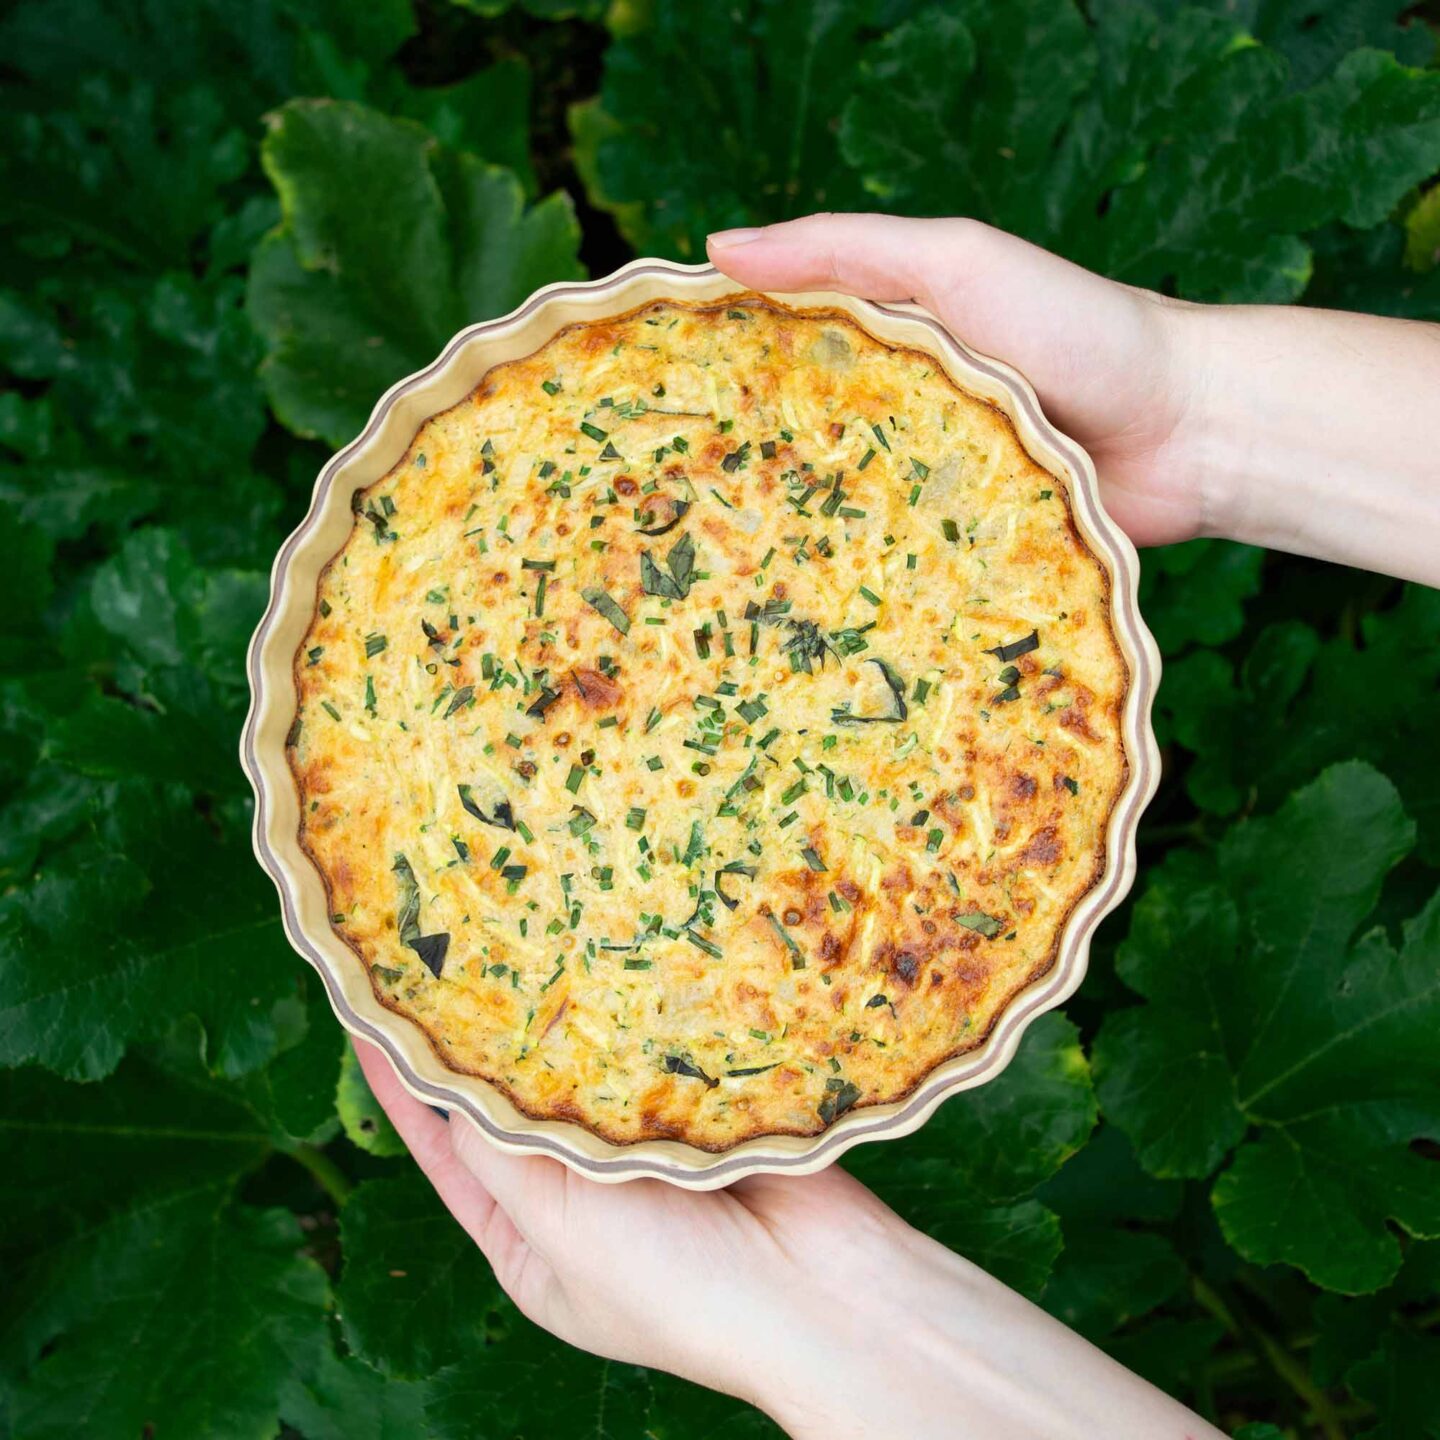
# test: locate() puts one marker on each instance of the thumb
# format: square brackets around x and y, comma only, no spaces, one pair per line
[1066,328]
[889,257]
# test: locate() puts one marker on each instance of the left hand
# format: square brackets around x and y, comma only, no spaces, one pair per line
[804,1295]
[717,1287]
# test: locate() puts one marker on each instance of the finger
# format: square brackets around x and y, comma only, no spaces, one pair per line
[529,1188]
[1070,331]
[428,1139]
[887,257]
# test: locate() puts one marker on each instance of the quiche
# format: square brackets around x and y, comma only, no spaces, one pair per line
[710,723]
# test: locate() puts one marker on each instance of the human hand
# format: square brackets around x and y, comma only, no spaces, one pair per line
[1102,356]
[1302,429]
[804,1295]
[721,1288]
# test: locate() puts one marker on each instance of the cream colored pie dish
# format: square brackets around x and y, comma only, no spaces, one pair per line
[695,731]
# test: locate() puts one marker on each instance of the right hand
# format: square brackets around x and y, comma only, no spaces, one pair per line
[1102,356]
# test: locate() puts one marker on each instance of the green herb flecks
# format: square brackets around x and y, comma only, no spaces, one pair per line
[503,817]
[681,564]
[603,602]
[899,709]
[1016,648]
[978,920]
[430,948]
[683,1065]
[840,1096]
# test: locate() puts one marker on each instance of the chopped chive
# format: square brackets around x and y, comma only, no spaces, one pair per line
[462,697]
[606,605]
[1016,648]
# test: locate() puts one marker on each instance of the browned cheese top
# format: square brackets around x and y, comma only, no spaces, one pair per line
[710,724]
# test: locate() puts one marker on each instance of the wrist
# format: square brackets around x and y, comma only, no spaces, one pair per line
[1306,431]
[870,1359]
[916,1342]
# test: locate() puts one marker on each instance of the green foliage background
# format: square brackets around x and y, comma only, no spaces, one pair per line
[225,227]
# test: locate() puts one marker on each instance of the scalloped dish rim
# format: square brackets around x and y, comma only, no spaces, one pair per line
[392,425]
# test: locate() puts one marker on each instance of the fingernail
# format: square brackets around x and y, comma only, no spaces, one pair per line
[728,239]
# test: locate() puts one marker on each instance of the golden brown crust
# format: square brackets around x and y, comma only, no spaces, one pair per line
[711,842]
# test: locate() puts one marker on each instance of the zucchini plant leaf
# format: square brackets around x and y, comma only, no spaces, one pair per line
[528,1382]
[714,116]
[1366,270]
[365,1121]
[1167,149]
[329,1396]
[295,1092]
[148,150]
[1195,593]
[1268,1019]
[167,637]
[138,1294]
[1315,34]
[1422,232]
[389,245]
[966,1178]
[1297,704]
[416,1294]
[1111,1268]
[1398,1379]
[162,913]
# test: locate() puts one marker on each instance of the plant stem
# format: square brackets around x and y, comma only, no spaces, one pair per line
[325,1172]
[1285,1366]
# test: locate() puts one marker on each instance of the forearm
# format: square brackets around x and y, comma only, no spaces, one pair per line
[1314,431]
[927,1345]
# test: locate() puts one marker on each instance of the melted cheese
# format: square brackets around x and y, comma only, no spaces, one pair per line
[654,701]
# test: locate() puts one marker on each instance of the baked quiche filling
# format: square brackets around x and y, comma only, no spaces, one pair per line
[710,724]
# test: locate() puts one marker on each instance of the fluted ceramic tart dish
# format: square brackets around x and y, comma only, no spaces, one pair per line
[694,731]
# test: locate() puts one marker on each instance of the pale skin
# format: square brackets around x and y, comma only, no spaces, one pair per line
[1302,430]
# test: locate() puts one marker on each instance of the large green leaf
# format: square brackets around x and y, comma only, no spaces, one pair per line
[1265,1014]
[336,1397]
[957,112]
[166,640]
[365,1121]
[531,1384]
[416,1293]
[721,115]
[1365,270]
[967,1176]
[162,913]
[1112,1268]
[1297,704]
[525,1382]
[1399,1381]
[139,1298]
[1162,149]
[389,245]
[133,127]
[1195,592]
[1315,34]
